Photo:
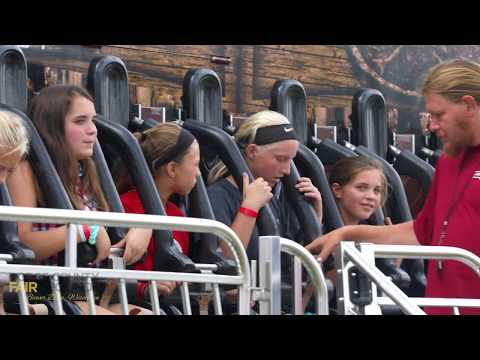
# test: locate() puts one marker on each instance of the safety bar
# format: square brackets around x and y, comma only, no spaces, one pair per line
[60,216]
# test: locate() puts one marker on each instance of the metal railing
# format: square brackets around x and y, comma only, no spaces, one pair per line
[432,253]
[364,259]
[69,217]
[315,272]
[270,276]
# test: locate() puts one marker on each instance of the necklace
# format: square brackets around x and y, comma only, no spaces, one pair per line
[453,204]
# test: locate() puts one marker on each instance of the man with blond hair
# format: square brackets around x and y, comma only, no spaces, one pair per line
[451,213]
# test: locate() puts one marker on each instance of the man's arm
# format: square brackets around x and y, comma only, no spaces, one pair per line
[399,234]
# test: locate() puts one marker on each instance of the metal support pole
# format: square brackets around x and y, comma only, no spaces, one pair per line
[22,296]
[154,297]
[373,308]
[71,246]
[57,296]
[253,271]
[122,290]
[217,303]
[164,115]
[344,305]
[270,274]
[4,282]
[90,296]
[314,271]
[297,286]
[187,308]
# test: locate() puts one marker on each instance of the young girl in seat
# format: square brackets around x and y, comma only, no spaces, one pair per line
[173,156]
[64,116]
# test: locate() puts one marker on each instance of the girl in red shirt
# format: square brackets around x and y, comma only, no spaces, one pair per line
[173,156]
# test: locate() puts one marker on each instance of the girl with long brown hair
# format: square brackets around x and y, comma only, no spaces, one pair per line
[65,118]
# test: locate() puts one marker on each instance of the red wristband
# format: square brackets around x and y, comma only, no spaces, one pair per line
[249,212]
[86,231]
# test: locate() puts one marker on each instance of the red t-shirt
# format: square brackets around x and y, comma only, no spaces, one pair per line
[132,204]
[457,178]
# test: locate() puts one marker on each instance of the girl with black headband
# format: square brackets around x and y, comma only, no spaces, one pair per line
[64,116]
[268,143]
[173,156]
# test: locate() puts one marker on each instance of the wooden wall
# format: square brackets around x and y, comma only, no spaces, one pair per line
[156,72]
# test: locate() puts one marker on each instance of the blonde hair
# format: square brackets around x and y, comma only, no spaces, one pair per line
[453,79]
[13,135]
[246,134]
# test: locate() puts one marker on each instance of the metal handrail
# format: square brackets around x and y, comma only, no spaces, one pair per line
[382,281]
[428,252]
[436,253]
[435,302]
[158,222]
[314,271]
[413,252]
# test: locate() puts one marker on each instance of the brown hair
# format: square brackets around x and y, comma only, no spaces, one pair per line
[48,111]
[155,143]
[347,168]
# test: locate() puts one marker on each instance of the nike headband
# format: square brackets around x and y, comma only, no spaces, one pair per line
[274,133]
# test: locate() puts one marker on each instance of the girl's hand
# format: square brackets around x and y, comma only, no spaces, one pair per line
[310,191]
[255,194]
[103,245]
[135,243]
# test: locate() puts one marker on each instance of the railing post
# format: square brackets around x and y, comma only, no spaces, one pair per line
[344,304]
[154,297]
[4,282]
[373,308]
[71,246]
[314,271]
[90,295]
[57,296]
[297,286]
[22,296]
[270,274]
[185,292]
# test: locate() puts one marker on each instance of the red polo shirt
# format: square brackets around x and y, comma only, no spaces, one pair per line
[456,178]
